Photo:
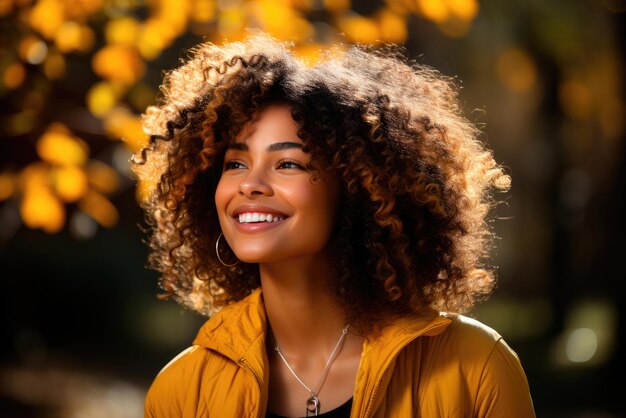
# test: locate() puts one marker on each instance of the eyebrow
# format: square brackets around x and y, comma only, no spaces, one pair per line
[278,146]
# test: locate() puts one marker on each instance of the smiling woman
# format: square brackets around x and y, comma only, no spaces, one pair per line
[266,175]
[352,199]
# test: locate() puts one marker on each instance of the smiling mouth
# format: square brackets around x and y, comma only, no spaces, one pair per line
[258,217]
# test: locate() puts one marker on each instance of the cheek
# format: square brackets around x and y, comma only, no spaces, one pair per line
[323,207]
[222,198]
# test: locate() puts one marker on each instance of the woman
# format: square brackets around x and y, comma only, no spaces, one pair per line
[331,215]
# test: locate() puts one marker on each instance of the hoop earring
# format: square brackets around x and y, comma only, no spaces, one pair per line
[217,252]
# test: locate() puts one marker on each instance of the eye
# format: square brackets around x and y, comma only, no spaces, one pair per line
[232,165]
[289,164]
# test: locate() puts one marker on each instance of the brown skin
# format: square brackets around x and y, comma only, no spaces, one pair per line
[293,257]
[306,322]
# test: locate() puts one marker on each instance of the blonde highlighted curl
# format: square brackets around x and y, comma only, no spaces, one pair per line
[416,181]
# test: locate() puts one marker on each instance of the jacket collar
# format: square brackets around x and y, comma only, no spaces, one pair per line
[381,351]
[238,332]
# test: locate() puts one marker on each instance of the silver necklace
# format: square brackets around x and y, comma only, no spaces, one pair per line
[313,402]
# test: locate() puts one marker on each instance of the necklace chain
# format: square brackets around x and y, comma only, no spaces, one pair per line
[313,403]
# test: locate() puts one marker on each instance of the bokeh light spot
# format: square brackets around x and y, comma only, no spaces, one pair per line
[99,208]
[102,177]
[82,226]
[59,147]
[101,98]
[119,63]
[576,99]
[124,31]
[7,185]
[33,50]
[54,66]
[14,75]
[463,9]
[360,29]
[516,70]
[582,344]
[434,10]
[392,27]
[69,182]
[46,17]
[41,209]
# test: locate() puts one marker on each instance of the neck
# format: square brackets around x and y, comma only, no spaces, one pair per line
[303,316]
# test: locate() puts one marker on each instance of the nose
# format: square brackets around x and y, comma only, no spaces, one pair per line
[255,184]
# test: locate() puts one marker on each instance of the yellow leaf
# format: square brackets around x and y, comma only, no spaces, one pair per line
[6,7]
[72,36]
[121,124]
[69,182]
[101,98]
[203,10]
[82,9]
[102,177]
[41,209]
[124,31]
[392,27]
[230,22]
[32,49]
[435,10]
[119,63]
[360,29]
[7,185]
[46,17]
[176,15]
[464,9]
[54,66]
[99,208]
[14,75]
[62,148]
[34,175]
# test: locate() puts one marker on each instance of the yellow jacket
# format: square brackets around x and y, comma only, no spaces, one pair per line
[429,366]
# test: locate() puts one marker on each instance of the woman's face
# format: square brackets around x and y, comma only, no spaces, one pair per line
[270,208]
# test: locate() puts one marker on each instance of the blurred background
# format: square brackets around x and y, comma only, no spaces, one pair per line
[82,332]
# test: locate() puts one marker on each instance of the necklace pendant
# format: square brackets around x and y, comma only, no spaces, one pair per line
[312,407]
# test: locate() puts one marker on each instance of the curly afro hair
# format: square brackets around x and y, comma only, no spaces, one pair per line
[416,180]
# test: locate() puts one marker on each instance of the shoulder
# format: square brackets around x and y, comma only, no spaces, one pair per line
[476,338]
[464,340]
[488,367]
[169,390]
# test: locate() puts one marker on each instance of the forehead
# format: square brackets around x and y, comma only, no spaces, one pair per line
[273,123]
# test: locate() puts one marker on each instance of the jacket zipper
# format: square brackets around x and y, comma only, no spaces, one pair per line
[244,365]
[370,404]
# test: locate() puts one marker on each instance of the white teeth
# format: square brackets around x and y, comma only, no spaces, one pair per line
[250,217]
